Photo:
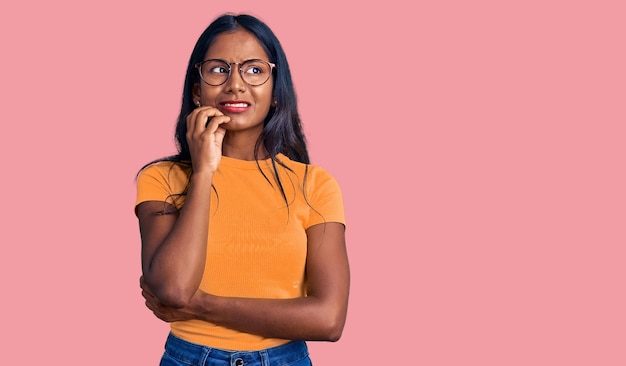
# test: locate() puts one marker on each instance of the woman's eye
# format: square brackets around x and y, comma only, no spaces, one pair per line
[218,70]
[254,70]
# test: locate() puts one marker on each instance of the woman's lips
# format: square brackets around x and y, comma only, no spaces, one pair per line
[234,106]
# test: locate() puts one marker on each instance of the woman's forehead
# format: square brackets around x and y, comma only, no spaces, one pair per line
[236,46]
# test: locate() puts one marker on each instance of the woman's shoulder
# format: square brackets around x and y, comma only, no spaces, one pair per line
[312,172]
[165,168]
[297,166]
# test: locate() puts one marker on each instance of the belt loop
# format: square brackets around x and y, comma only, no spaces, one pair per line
[205,355]
[265,359]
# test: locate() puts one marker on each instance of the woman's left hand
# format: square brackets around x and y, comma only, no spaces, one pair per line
[161,311]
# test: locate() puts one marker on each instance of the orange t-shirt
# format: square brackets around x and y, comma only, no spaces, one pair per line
[257,244]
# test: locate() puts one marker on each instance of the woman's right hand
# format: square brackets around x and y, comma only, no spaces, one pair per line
[205,136]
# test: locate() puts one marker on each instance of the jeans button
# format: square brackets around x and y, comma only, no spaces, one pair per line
[239,362]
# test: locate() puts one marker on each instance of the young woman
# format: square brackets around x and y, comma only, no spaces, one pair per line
[243,245]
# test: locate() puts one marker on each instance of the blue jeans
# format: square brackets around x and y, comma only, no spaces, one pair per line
[179,352]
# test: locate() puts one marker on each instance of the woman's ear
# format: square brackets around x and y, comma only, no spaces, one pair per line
[195,91]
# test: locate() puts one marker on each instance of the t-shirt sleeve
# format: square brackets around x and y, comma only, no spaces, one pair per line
[324,194]
[162,181]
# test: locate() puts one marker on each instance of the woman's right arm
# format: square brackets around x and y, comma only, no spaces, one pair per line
[174,242]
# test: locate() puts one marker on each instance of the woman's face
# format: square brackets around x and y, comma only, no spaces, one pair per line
[246,105]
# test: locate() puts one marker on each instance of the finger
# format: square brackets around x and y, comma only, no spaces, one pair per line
[213,125]
[198,118]
[149,305]
[143,285]
[150,297]
[219,135]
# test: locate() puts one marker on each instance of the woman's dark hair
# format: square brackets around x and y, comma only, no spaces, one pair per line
[282,131]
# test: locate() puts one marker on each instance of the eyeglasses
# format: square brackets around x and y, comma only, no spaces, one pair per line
[215,72]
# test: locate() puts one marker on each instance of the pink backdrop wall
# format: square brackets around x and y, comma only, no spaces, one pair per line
[480,147]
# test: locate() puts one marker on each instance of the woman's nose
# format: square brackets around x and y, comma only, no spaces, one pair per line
[235,81]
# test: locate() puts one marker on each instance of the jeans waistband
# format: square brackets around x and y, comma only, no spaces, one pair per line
[195,354]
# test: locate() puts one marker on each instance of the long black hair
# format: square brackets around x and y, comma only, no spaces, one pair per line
[282,128]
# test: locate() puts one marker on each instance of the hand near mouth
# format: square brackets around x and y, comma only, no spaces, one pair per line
[205,136]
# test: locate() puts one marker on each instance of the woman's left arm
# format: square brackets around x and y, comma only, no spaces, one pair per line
[319,316]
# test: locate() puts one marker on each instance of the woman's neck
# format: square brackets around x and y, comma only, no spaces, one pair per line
[242,150]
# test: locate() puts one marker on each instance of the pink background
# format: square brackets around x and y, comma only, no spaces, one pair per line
[480,146]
